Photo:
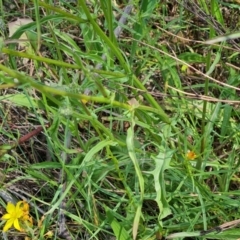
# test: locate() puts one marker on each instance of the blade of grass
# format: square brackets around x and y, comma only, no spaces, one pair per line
[38,25]
[119,231]
[132,155]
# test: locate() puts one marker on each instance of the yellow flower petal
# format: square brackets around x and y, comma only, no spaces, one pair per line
[10,208]
[18,210]
[6,216]
[16,225]
[8,225]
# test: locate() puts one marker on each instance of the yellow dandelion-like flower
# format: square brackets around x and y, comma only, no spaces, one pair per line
[13,215]
[191,155]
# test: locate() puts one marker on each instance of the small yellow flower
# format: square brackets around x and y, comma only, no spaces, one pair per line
[18,216]
[14,213]
[191,155]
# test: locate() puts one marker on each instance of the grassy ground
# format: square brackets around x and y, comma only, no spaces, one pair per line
[127,137]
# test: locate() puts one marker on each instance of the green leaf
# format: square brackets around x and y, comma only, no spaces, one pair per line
[183,235]
[20,99]
[162,161]
[147,7]
[226,120]
[136,221]
[119,231]
[231,234]
[190,57]
[131,152]
[45,165]
[223,38]
[1,43]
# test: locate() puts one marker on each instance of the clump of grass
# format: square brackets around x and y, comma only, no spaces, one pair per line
[139,134]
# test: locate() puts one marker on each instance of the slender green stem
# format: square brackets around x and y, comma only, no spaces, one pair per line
[205,103]
[36,7]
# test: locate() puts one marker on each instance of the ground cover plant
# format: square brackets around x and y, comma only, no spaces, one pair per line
[119,119]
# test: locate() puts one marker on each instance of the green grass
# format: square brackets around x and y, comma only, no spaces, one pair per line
[118,116]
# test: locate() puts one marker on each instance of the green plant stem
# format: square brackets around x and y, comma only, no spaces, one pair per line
[206,90]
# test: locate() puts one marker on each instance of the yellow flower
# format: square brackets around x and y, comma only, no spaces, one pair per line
[14,213]
[191,155]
